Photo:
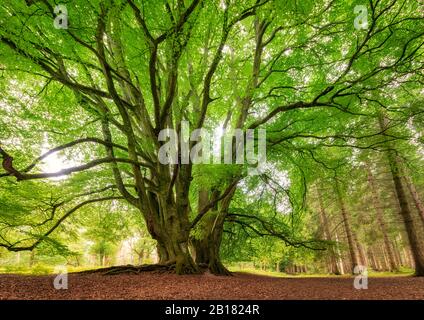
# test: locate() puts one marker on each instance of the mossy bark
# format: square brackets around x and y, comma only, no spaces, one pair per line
[207,241]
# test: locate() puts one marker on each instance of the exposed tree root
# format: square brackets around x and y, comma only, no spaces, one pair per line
[131,269]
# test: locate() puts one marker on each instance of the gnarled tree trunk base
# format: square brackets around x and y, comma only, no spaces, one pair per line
[218,269]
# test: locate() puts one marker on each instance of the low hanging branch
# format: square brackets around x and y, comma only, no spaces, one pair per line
[23,175]
[13,246]
[271,232]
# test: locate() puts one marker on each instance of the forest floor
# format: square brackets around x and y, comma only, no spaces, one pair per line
[241,286]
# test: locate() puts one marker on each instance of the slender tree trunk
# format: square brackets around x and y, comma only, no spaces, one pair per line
[372,258]
[405,212]
[380,259]
[339,255]
[385,258]
[408,258]
[396,252]
[416,198]
[101,259]
[32,258]
[346,222]
[360,251]
[374,254]
[380,219]
[324,221]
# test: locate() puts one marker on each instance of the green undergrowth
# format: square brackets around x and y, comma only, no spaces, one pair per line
[403,272]
[39,269]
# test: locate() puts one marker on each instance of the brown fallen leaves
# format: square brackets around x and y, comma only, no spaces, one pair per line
[150,285]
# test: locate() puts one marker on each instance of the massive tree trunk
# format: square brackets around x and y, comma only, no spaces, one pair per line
[346,222]
[171,231]
[166,215]
[206,242]
[405,211]
[207,245]
[162,189]
[380,219]
[163,256]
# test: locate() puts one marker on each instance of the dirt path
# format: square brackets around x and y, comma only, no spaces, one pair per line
[241,286]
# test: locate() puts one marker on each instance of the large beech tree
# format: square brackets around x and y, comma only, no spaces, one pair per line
[123,70]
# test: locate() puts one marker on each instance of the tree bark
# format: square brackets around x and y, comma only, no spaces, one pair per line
[372,258]
[346,222]
[325,224]
[416,198]
[207,247]
[407,217]
[173,246]
[405,211]
[207,242]
[32,258]
[380,219]
[170,228]
[339,255]
[396,253]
